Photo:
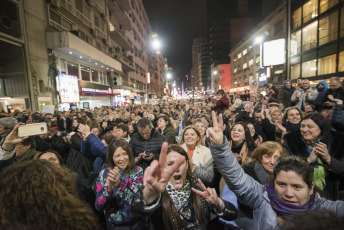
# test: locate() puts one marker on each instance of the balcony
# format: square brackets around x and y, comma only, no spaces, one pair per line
[126,60]
[124,4]
[118,16]
[122,40]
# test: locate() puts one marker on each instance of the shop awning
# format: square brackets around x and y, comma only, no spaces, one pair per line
[75,48]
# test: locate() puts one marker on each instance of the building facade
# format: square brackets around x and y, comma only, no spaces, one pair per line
[102,44]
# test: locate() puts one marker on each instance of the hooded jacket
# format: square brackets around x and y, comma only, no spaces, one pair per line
[321,96]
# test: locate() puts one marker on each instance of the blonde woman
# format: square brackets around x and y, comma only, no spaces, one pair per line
[202,165]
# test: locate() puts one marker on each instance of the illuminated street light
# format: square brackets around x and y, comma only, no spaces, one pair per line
[258,40]
[215,72]
[156,44]
[168,75]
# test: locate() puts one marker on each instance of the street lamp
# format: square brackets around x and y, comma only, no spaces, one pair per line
[168,75]
[258,40]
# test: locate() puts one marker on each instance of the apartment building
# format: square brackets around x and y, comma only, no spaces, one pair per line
[99,47]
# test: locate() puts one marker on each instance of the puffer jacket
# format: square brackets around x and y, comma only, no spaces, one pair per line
[152,145]
[253,194]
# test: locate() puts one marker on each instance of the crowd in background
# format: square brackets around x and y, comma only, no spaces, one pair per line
[108,168]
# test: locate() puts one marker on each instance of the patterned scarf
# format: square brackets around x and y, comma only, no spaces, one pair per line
[319,170]
[282,208]
[181,199]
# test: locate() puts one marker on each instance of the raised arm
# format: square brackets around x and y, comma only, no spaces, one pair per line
[246,188]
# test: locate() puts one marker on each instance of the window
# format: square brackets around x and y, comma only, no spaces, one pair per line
[85,73]
[327,4]
[310,10]
[278,27]
[66,4]
[341,62]
[73,69]
[63,68]
[295,43]
[95,76]
[239,55]
[244,52]
[309,68]
[295,71]
[235,70]
[309,36]
[328,28]
[244,66]
[296,18]
[235,59]
[327,65]
[258,60]
[342,23]
[83,12]
[250,62]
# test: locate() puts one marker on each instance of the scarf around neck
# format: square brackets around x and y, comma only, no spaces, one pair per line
[181,199]
[282,208]
[292,127]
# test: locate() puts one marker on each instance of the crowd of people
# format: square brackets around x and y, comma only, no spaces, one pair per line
[240,161]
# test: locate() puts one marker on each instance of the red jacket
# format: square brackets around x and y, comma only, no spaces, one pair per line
[221,104]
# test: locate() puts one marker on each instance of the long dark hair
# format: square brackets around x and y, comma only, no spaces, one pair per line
[169,210]
[248,138]
[324,125]
[126,147]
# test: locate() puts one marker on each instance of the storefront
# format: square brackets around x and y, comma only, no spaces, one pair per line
[122,97]
[94,95]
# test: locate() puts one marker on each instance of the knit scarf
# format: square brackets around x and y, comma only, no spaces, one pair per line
[292,127]
[282,208]
[319,170]
[181,199]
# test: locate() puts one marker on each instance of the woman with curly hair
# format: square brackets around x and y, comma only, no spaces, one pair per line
[41,195]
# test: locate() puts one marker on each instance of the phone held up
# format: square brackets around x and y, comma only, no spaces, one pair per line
[32,129]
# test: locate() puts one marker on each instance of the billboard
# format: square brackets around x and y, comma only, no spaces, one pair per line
[273,52]
[68,87]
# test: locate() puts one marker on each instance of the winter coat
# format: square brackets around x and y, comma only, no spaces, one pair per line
[318,102]
[302,100]
[94,148]
[285,94]
[152,145]
[294,145]
[253,194]
[203,164]
[221,104]
[338,94]
[337,118]
[170,135]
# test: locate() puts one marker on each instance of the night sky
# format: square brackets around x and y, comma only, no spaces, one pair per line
[177,22]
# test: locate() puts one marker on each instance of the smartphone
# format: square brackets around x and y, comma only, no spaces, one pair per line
[147,155]
[32,129]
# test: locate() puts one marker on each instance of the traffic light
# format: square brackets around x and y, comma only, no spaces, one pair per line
[115,81]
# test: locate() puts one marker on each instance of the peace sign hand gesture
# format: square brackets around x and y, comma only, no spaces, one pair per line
[209,194]
[215,133]
[157,175]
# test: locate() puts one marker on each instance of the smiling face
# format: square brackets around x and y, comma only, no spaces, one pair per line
[276,117]
[121,158]
[238,133]
[290,187]
[269,162]
[190,138]
[310,131]
[200,126]
[252,129]
[293,116]
[179,176]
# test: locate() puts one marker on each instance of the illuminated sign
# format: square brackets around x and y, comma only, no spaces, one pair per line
[274,52]
[68,87]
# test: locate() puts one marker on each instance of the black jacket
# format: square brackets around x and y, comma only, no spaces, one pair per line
[152,145]
[294,145]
